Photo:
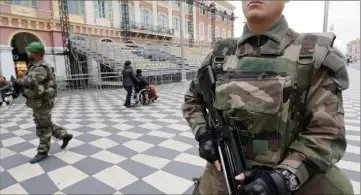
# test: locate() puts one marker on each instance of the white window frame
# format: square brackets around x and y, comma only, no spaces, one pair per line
[146,21]
[209,32]
[176,23]
[103,9]
[25,3]
[76,7]
[201,31]
[217,32]
[165,20]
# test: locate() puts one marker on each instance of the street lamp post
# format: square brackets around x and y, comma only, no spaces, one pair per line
[184,74]
[325,15]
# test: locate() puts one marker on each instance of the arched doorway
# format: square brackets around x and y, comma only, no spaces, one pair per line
[19,43]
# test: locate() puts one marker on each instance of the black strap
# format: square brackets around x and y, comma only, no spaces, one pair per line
[218,61]
[305,65]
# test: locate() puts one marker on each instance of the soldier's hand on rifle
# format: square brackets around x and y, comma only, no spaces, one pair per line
[207,146]
[259,182]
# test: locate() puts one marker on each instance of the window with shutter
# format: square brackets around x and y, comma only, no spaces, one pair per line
[178,24]
[145,17]
[209,32]
[131,14]
[174,25]
[201,30]
[102,9]
[161,21]
[72,7]
[34,3]
[109,10]
[150,19]
[25,3]
[96,9]
[81,8]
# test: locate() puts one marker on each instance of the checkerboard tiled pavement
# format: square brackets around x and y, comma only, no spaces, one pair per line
[143,150]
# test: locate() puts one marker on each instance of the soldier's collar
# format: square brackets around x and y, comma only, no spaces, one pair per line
[38,63]
[276,32]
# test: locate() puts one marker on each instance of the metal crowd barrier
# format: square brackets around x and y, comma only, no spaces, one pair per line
[82,84]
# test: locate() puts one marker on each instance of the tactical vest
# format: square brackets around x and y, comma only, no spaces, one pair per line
[45,90]
[265,96]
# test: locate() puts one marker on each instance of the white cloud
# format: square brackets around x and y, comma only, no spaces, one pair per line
[307,16]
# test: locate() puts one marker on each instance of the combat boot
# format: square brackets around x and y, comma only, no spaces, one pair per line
[66,140]
[38,157]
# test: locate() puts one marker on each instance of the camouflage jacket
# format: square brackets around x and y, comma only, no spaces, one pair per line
[38,84]
[259,85]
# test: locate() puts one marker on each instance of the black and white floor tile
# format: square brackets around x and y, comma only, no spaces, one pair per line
[141,150]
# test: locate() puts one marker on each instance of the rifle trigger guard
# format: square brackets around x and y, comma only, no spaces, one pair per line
[218,60]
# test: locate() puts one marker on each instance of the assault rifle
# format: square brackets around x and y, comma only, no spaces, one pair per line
[226,136]
[16,87]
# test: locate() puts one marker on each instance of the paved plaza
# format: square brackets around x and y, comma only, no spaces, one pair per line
[115,150]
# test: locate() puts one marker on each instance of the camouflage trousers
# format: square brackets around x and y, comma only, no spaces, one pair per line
[333,182]
[45,128]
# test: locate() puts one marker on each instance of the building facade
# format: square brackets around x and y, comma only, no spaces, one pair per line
[353,50]
[25,21]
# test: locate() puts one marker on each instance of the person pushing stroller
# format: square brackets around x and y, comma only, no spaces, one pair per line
[143,84]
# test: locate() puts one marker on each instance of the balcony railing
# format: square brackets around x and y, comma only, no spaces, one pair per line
[152,29]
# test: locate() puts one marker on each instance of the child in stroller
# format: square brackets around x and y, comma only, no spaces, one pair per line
[143,84]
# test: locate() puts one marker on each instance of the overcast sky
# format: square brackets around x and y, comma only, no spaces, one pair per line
[307,16]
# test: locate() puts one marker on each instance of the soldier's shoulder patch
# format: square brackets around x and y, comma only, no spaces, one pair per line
[45,65]
[322,39]
[338,53]
[221,47]
[334,60]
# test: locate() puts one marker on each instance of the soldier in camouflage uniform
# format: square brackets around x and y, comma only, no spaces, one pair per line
[39,89]
[284,90]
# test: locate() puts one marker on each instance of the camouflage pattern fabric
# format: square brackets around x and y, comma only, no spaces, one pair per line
[39,86]
[39,83]
[45,128]
[334,182]
[261,87]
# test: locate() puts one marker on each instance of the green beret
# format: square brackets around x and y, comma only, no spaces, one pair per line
[35,47]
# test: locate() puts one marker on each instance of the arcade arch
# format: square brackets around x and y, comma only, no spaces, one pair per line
[19,42]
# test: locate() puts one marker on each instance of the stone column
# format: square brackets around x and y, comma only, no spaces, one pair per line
[89,8]
[117,15]
[7,65]
[155,12]
[137,11]
[170,14]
